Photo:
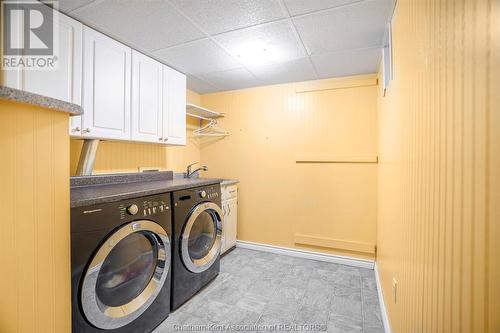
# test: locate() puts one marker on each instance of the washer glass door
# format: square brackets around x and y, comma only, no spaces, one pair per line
[126,274]
[127,269]
[201,238]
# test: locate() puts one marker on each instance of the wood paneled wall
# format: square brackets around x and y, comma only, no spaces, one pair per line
[118,157]
[285,199]
[34,228]
[438,232]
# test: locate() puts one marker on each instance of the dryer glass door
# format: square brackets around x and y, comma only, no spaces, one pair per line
[126,274]
[201,238]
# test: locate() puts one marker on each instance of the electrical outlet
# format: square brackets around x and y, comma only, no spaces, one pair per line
[394,289]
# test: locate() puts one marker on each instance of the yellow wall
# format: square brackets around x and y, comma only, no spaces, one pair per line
[280,199]
[438,221]
[34,228]
[116,156]
[327,204]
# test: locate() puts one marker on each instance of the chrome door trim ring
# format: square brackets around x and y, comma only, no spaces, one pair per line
[111,317]
[202,264]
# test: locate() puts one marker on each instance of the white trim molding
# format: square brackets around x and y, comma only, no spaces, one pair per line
[363,263]
[383,309]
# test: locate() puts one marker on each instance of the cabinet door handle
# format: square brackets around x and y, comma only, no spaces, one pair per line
[87,130]
[76,129]
[160,139]
[165,140]
[229,208]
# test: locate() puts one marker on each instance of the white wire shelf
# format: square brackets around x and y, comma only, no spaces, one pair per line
[202,113]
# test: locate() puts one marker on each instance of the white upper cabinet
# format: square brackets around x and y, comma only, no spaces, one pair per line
[125,95]
[65,81]
[106,87]
[147,110]
[158,102]
[174,106]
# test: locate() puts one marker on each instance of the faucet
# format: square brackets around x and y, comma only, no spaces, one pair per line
[189,173]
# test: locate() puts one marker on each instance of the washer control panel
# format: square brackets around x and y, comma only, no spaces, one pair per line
[144,208]
[153,207]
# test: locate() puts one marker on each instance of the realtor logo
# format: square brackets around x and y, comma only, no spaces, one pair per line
[28,32]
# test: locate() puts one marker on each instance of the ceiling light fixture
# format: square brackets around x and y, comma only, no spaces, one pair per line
[255,54]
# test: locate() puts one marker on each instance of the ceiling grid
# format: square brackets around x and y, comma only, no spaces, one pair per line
[233,44]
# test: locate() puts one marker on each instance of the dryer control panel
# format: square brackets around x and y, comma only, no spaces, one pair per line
[190,197]
[209,192]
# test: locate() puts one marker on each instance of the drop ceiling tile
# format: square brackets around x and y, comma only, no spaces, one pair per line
[66,6]
[230,80]
[216,16]
[357,26]
[291,71]
[148,26]
[297,7]
[199,86]
[198,57]
[268,43]
[347,63]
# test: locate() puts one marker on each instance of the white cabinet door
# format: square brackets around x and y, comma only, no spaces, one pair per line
[106,87]
[225,221]
[174,106]
[230,223]
[65,81]
[147,84]
[223,237]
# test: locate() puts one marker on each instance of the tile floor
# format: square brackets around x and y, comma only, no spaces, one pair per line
[256,290]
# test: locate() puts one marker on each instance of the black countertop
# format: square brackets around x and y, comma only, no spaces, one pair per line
[86,191]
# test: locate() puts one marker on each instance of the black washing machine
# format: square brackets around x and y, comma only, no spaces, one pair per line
[196,241]
[120,265]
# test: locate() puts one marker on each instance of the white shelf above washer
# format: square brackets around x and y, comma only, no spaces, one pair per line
[202,113]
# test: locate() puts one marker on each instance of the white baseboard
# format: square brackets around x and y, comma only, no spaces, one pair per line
[306,254]
[383,309]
